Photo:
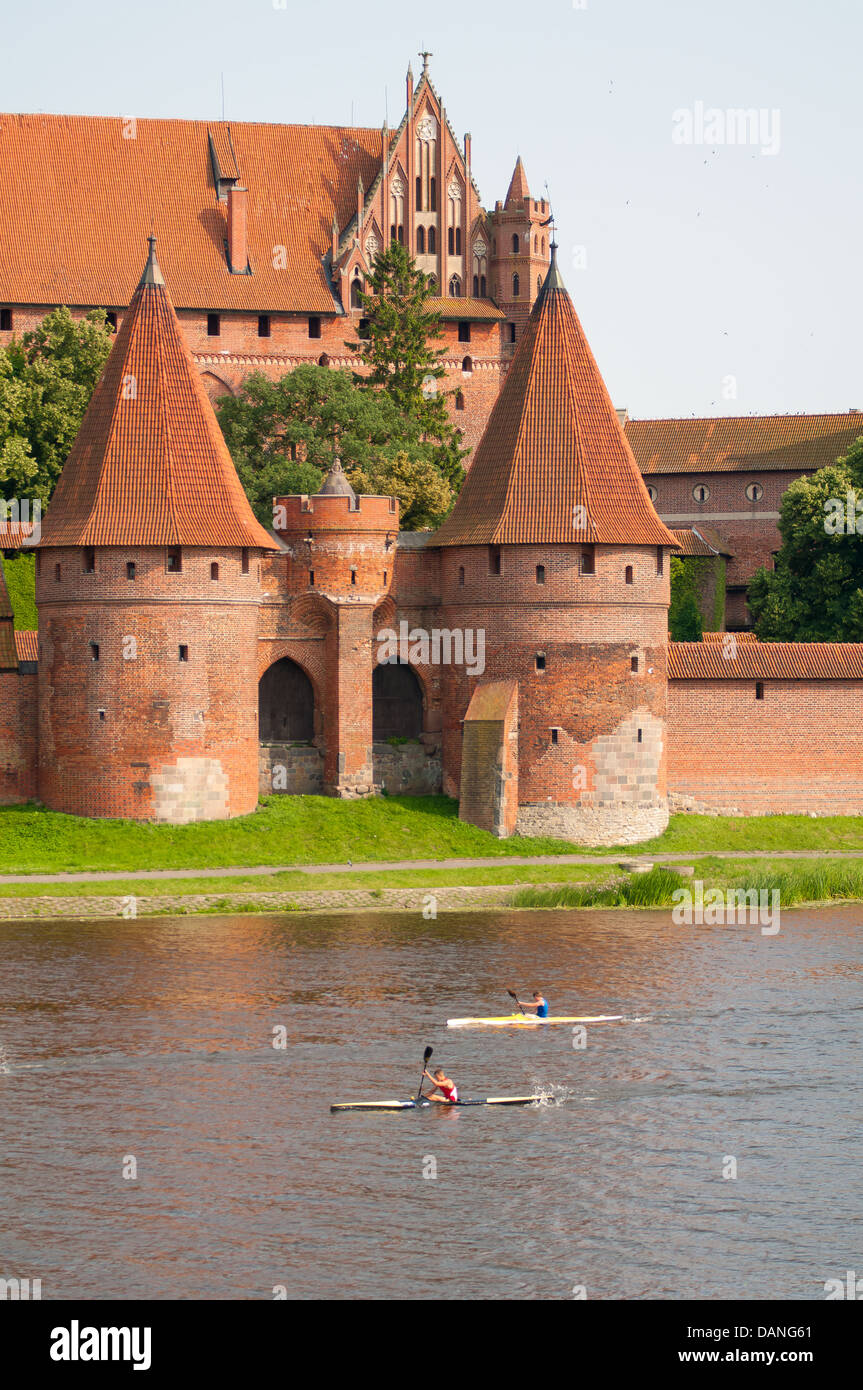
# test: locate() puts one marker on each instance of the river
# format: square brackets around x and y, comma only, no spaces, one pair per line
[152,1041]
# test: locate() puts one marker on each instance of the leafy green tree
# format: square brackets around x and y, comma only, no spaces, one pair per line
[401,355]
[685,623]
[283,436]
[46,380]
[424,494]
[815,592]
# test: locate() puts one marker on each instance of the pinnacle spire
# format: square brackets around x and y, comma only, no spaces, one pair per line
[152,275]
[518,186]
[336,483]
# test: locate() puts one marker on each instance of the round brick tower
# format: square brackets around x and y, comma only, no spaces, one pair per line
[557,564]
[342,548]
[148,585]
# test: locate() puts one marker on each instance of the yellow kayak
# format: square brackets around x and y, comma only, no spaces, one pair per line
[528,1021]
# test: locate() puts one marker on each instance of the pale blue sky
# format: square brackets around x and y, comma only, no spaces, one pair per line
[700,265]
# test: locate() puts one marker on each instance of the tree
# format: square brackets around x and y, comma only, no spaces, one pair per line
[815,592]
[424,494]
[685,623]
[399,351]
[46,380]
[283,436]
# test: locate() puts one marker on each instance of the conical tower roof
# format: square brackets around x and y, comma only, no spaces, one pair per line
[336,483]
[149,465]
[518,188]
[553,465]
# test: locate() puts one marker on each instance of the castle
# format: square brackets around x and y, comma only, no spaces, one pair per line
[189,660]
[267,236]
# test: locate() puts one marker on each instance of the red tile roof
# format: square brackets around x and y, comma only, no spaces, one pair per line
[13,534]
[765,660]
[27,645]
[553,443]
[149,465]
[79,174]
[467,308]
[700,540]
[742,443]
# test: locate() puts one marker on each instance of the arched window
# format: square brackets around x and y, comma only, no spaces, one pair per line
[476,287]
[432,242]
[455,287]
[543,246]
[286,704]
[459,400]
[467,365]
[536,244]
[421,241]
[482,293]
[515,243]
[324,360]
[397,703]
[515,285]
[356,290]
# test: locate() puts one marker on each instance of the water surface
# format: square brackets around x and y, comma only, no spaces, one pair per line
[153,1038]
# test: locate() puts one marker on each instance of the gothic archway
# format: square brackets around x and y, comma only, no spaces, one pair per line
[397,702]
[286,704]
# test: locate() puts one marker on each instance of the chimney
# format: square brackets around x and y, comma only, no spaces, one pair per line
[238,247]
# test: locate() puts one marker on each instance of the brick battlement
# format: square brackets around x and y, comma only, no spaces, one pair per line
[302,513]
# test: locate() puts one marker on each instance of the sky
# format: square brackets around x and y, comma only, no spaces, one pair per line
[715,270]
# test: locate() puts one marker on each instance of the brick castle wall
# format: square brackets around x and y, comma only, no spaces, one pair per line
[795,751]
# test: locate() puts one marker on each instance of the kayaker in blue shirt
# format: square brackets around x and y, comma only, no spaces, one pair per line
[538,1003]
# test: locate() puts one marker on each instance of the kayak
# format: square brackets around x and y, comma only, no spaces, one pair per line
[413,1104]
[526,1021]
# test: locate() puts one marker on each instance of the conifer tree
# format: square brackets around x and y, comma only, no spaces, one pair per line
[399,347]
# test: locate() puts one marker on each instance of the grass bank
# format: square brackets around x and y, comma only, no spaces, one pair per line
[796,883]
[320,830]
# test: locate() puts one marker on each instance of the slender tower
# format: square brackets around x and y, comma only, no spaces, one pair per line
[148,585]
[555,554]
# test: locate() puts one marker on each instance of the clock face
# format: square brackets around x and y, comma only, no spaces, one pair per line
[427,128]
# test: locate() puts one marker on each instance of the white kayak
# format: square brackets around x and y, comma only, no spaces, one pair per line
[423,1104]
[529,1021]
[439,1105]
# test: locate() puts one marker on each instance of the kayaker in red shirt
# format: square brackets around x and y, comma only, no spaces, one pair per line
[445,1090]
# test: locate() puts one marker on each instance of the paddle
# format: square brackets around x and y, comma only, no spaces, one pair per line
[517,1000]
[428,1052]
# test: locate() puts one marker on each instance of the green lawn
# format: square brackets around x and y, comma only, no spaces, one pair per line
[297,881]
[310,830]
